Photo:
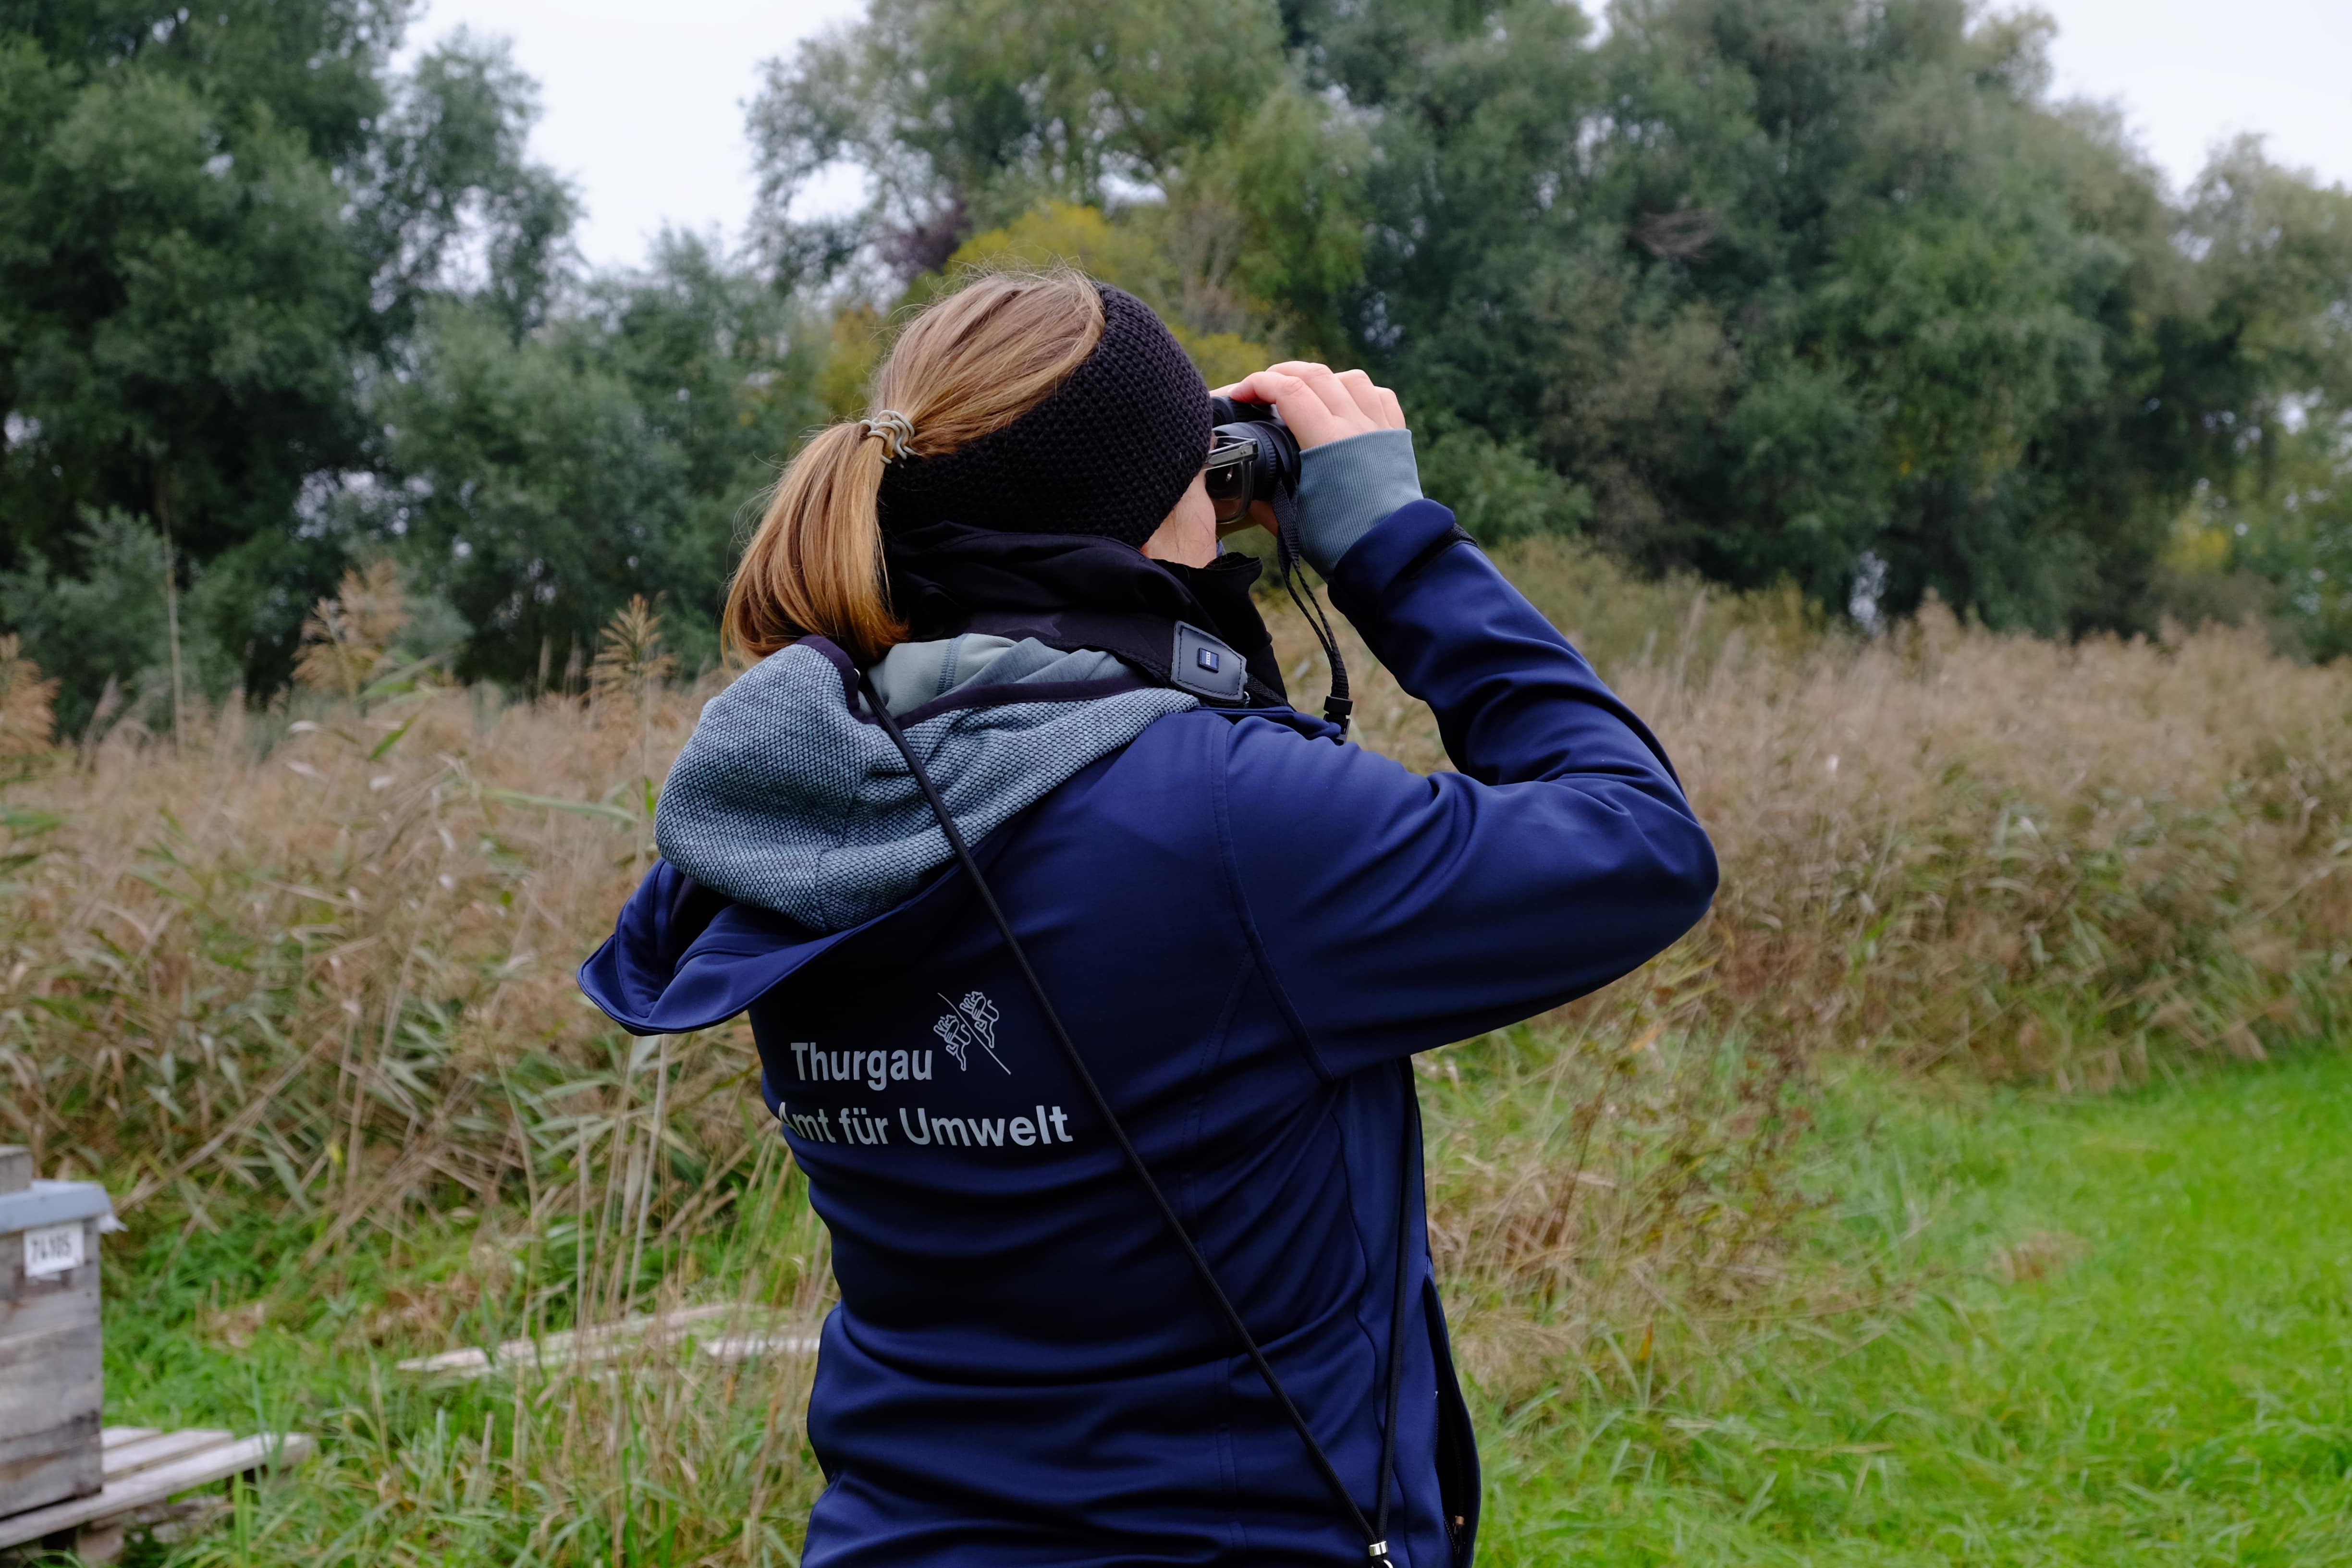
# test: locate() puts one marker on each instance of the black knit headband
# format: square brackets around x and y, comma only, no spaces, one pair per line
[1109,451]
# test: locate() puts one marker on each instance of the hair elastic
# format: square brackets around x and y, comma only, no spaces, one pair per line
[895,430]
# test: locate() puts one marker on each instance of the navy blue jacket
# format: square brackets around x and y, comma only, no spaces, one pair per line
[1249,931]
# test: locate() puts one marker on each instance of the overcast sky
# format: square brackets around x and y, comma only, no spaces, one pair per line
[645,101]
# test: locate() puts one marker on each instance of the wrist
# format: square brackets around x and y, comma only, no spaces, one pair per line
[1345,487]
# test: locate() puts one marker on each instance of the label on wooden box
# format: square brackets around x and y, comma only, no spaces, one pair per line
[52,1249]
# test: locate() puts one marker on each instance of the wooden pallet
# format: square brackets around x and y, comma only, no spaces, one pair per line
[144,1470]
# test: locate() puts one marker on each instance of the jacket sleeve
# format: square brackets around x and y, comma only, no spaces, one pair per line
[1396,913]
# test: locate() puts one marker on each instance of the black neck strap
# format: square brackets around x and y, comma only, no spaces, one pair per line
[1289,556]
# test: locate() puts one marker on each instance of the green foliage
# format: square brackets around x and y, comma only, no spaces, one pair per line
[973,112]
[1779,281]
[287,309]
[1791,287]
[1061,233]
[1767,290]
[967,116]
[1775,288]
[2277,506]
[212,228]
[1498,492]
[1272,220]
[543,482]
[1133,254]
[105,625]
[447,171]
[2293,529]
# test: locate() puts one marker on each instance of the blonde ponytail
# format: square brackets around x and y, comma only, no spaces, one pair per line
[969,364]
[815,563]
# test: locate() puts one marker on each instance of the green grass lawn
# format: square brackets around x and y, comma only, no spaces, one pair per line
[2132,1343]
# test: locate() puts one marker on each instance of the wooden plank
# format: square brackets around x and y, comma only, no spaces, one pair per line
[733,1348]
[49,1390]
[466,1366]
[157,1485]
[36,1369]
[115,1437]
[48,1373]
[44,1312]
[599,1343]
[133,1457]
[53,1465]
[15,1167]
[729,1349]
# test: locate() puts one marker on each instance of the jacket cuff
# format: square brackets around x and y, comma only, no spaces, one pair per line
[1347,486]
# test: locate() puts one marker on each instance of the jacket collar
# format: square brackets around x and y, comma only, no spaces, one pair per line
[1079,591]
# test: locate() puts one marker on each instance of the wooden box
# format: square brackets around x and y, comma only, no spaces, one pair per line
[49,1336]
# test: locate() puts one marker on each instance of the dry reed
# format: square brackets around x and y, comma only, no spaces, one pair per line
[2067,862]
[317,961]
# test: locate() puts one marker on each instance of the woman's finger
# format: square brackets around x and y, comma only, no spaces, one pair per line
[1377,401]
[1362,394]
[1295,370]
[1325,383]
[1318,404]
[1309,417]
[1254,387]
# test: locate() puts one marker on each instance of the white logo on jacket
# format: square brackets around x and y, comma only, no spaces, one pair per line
[969,1022]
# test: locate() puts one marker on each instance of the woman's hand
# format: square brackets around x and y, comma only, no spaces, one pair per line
[1318,404]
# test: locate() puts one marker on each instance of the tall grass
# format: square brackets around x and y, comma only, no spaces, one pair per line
[300,990]
[2071,863]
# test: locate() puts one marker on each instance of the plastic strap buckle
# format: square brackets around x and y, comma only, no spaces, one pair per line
[1206,667]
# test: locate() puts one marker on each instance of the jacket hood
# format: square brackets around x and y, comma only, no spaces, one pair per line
[790,798]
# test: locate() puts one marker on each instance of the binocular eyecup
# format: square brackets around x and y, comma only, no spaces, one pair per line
[1254,457]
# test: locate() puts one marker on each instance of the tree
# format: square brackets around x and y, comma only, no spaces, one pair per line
[1775,290]
[536,485]
[214,230]
[965,116]
[2272,355]
[1784,285]
[1056,100]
